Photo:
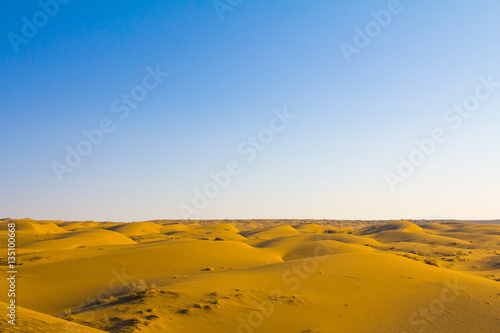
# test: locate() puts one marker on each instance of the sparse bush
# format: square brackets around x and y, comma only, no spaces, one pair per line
[431,262]
[140,289]
[105,324]
[409,256]
[338,231]
[67,314]
[105,300]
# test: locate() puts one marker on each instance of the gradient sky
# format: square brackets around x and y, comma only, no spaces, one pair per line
[353,120]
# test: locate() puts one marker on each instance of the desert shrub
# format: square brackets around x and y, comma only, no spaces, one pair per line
[431,262]
[67,314]
[409,256]
[140,289]
[338,231]
[104,324]
[105,300]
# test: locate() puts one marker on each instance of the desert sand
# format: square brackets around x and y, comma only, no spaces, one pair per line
[254,276]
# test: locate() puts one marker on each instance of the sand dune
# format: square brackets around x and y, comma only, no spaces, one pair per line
[263,276]
[138,228]
[79,239]
[36,322]
[310,227]
[79,226]
[34,227]
[269,233]
[404,226]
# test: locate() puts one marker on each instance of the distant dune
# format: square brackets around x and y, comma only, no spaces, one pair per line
[256,276]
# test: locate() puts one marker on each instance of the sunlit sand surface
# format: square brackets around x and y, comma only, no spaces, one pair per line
[255,276]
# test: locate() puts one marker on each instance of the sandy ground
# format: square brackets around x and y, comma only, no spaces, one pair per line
[254,276]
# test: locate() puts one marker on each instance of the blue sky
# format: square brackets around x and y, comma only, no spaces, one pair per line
[227,79]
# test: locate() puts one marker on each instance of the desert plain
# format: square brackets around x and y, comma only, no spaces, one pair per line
[244,276]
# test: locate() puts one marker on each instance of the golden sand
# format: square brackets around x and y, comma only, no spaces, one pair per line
[254,276]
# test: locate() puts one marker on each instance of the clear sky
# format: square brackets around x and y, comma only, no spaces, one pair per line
[362,81]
